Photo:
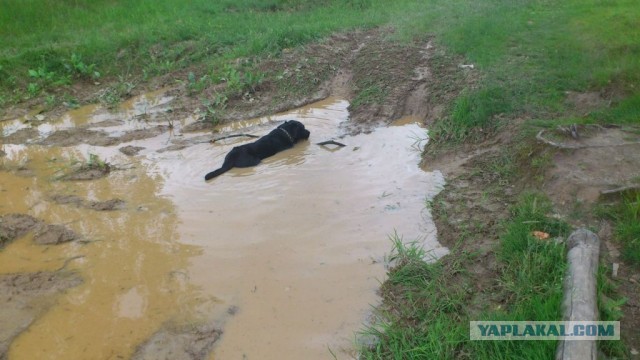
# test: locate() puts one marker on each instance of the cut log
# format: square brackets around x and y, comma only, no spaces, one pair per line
[579,302]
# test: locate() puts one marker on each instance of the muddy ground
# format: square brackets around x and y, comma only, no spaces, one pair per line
[418,79]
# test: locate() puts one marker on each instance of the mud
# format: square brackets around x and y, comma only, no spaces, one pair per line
[343,65]
[13,226]
[187,342]
[609,159]
[54,235]
[158,264]
[88,172]
[130,150]
[78,136]
[21,136]
[25,297]
[99,138]
[107,205]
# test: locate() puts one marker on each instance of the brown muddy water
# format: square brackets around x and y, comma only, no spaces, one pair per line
[285,258]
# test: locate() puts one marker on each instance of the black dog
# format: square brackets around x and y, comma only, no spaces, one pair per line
[281,138]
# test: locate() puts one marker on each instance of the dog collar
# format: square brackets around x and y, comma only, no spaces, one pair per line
[288,135]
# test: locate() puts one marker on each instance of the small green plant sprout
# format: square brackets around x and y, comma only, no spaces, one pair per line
[33,89]
[195,85]
[41,77]
[77,66]
[42,74]
[233,79]
[95,162]
[213,110]
[252,81]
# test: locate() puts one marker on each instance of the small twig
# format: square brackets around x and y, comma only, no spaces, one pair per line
[234,135]
[620,189]
[563,146]
[554,144]
[330,142]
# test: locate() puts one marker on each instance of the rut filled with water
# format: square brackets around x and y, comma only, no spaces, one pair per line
[284,258]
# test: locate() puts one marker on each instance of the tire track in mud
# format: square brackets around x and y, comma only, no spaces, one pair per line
[145,123]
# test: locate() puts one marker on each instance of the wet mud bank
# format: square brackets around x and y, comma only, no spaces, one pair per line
[26,297]
[14,226]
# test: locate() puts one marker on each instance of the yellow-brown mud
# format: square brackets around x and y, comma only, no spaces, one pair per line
[295,246]
[130,259]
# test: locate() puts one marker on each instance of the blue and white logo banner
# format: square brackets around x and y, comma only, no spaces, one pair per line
[544,330]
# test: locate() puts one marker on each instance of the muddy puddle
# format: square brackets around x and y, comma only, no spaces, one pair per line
[279,261]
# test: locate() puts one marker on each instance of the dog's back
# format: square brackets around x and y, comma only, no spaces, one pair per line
[281,138]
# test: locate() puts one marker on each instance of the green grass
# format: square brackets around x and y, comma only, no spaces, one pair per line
[626,218]
[428,304]
[369,95]
[610,308]
[154,37]
[529,51]
[471,117]
[626,111]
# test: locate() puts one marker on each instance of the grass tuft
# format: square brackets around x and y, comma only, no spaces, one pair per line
[626,218]
[473,116]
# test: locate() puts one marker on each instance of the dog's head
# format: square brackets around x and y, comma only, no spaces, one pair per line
[295,129]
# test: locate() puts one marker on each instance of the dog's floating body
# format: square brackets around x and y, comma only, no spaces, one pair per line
[281,138]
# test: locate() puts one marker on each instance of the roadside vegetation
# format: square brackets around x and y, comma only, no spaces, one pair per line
[428,304]
[528,55]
